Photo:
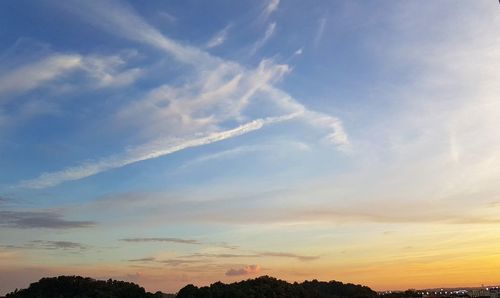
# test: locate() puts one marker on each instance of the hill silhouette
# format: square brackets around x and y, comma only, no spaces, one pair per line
[264,286]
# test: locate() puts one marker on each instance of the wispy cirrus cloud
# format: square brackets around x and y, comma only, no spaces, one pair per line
[255,255]
[320,30]
[294,205]
[245,150]
[222,155]
[103,71]
[198,258]
[33,87]
[58,245]
[192,114]
[49,245]
[219,255]
[271,28]
[179,262]
[28,77]
[167,16]
[142,260]
[109,71]
[168,262]
[288,255]
[119,19]
[39,219]
[155,150]
[162,239]
[271,7]
[219,38]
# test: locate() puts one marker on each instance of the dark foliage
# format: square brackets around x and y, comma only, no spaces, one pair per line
[262,287]
[80,287]
[266,286]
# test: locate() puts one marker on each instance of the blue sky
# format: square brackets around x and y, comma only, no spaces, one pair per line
[168,142]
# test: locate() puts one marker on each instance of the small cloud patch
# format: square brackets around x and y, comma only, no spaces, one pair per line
[247,270]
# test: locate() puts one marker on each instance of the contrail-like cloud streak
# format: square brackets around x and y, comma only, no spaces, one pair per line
[145,152]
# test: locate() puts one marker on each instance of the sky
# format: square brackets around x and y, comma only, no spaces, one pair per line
[176,142]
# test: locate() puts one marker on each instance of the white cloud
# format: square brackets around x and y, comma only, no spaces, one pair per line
[104,71]
[299,52]
[271,7]
[332,125]
[218,38]
[271,28]
[55,74]
[202,104]
[119,19]
[195,113]
[31,76]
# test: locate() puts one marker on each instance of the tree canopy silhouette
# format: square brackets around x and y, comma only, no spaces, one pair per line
[82,287]
[261,287]
[266,286]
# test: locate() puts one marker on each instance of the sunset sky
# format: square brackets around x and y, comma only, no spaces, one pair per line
[174,142]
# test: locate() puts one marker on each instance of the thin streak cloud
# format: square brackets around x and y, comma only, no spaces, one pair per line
[144,153]
[57,245]
[320,31]
[271,28]
[142,260]
[219,38]
[255,255]
[272,6]
[49,245]
[162,239]
[39,219]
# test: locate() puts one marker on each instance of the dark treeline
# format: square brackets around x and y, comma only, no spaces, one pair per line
[265,286]
[81,287]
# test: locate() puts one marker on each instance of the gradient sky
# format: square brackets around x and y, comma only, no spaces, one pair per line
[175,142]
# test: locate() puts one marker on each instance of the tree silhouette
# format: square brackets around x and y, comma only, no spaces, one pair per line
[80,287]
[266,286]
